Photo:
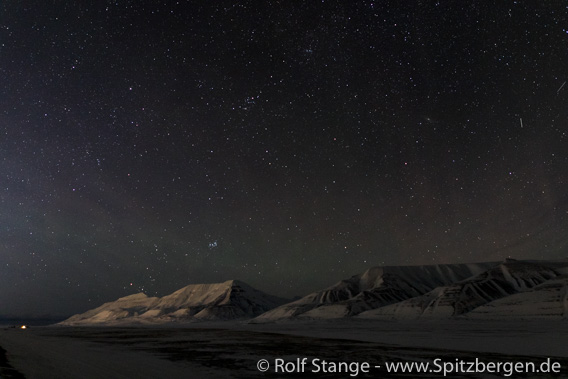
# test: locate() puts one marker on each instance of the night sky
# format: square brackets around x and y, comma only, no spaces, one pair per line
[148,145]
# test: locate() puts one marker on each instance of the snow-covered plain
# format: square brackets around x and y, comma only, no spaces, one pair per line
[497,311]
[232,349]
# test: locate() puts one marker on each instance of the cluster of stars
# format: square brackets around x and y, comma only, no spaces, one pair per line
[149,145]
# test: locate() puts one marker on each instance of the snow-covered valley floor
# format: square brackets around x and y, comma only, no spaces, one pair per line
[232,350]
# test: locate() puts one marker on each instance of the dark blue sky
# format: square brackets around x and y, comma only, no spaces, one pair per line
[148,145]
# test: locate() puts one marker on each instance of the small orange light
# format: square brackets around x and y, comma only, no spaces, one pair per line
[23,327]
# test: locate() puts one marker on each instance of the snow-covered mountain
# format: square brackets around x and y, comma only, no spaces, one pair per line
[512,289]
[376,287]
[491,290]
[548,300]
[128,306]
[219,301]
[496,290]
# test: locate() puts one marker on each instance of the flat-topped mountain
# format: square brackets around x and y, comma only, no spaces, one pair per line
[512,289]
[520,289]
[374,288]
[491,290]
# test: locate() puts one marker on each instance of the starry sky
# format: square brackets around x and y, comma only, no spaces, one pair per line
[147,145]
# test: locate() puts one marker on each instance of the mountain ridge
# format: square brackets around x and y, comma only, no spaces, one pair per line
[232,299]
[490,294]
[375,287]
[484,290]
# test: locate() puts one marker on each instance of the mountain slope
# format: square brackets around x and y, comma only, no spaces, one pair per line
[504,286]
[376,287]
[547,301]
[219,301]
[128,306]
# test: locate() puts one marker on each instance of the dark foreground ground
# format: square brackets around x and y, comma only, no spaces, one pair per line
[204,352]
